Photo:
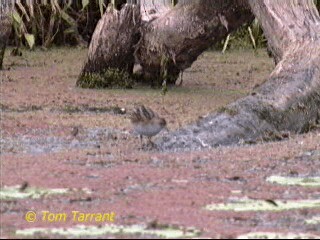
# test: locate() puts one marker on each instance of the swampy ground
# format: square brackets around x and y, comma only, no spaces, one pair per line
[55,135]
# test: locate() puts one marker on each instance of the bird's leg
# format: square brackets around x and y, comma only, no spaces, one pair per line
[181,78]
[151,143]
[140,136]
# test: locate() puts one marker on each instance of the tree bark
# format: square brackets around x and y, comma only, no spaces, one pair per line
[177,36]
[288,101]
[112,44]
[5,30]
[170,38]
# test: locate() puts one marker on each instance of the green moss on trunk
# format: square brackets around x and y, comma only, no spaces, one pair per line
[111,78]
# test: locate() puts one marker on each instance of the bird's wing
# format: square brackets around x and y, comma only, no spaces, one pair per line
[145,113]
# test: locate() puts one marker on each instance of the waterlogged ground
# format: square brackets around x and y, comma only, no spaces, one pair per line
[68,155]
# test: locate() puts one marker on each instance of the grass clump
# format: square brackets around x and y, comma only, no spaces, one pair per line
[232,112]
[111,78]
[71,109]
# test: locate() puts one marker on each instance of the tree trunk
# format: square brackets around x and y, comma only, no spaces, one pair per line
[288,101]
[175,37]
[112,44]
[171,38]
[5,30]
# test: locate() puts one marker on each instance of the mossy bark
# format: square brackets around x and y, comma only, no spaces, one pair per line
[112,44]
[156,31]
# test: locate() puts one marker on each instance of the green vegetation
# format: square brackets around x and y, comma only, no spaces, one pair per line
[17,192]
[25,191]
[297,181]
[228,110]
[313,221]
[111,78]
[274,235]
[82,231]
[71,109]
[44,23]
[247,36]
[248,205]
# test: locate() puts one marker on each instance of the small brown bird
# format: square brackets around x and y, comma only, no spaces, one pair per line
[75,131]
[146,122]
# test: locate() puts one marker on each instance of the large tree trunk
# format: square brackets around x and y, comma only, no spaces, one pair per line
[112,44]
[177,36]
[5,28]
[171,38]
[288,101]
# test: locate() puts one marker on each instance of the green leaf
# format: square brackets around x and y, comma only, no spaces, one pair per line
[68,18]
[16,17]
[101,3]
[30,39]
[69,30]
[85,3]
